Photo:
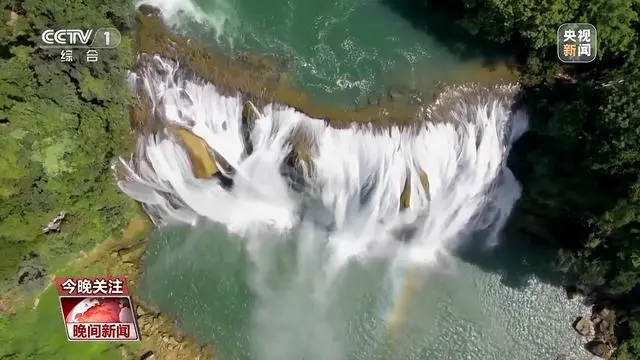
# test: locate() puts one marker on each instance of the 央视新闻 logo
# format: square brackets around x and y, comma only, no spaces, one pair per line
[577,43]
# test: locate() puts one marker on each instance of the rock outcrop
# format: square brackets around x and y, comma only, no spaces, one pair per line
[583,326]
[599,331]
[405,196]
[424,180]
[54,225]
[248,117]
[603,321]
[203,164]
[597,348]
[151,11]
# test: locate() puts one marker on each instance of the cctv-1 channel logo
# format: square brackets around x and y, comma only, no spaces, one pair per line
[103,38]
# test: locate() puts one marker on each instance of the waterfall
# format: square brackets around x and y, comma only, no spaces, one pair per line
[407,196]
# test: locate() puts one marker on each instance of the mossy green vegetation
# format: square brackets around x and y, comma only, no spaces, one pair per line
[61,126]
[40,334]
[36,330]
[580,163]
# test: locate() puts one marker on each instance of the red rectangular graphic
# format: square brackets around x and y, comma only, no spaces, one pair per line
[101,317]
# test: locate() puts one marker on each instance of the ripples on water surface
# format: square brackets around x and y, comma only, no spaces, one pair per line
[461,313]
[342,50]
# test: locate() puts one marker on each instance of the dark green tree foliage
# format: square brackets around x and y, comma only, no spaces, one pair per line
[630,350]
[580,163]
[61,125]
[534,22]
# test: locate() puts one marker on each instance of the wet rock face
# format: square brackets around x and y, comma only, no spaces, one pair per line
[604,321]
[199,152]
[582,326]
[598,329]
[248,118]
[405,197]
[597,348]
[149,10]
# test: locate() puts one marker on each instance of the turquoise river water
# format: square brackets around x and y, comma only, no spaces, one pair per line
[342,50]
[487,304]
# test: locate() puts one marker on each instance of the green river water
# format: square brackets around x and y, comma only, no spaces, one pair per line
[343,50]
[486,306]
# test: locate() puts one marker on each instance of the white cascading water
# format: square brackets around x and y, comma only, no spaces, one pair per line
[350,206]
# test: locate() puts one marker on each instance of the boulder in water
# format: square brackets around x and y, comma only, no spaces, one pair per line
[405,196]
[597,348]
[374,100]
[203,164]
[604,321]
[248,117]
[571,291]
[424,180]
[298,164]
[582,326]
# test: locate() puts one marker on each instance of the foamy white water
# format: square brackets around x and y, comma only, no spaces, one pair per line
[348,209]
[222,17]
[357,175]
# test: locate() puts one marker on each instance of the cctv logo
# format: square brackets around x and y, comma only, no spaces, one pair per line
[54,38]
